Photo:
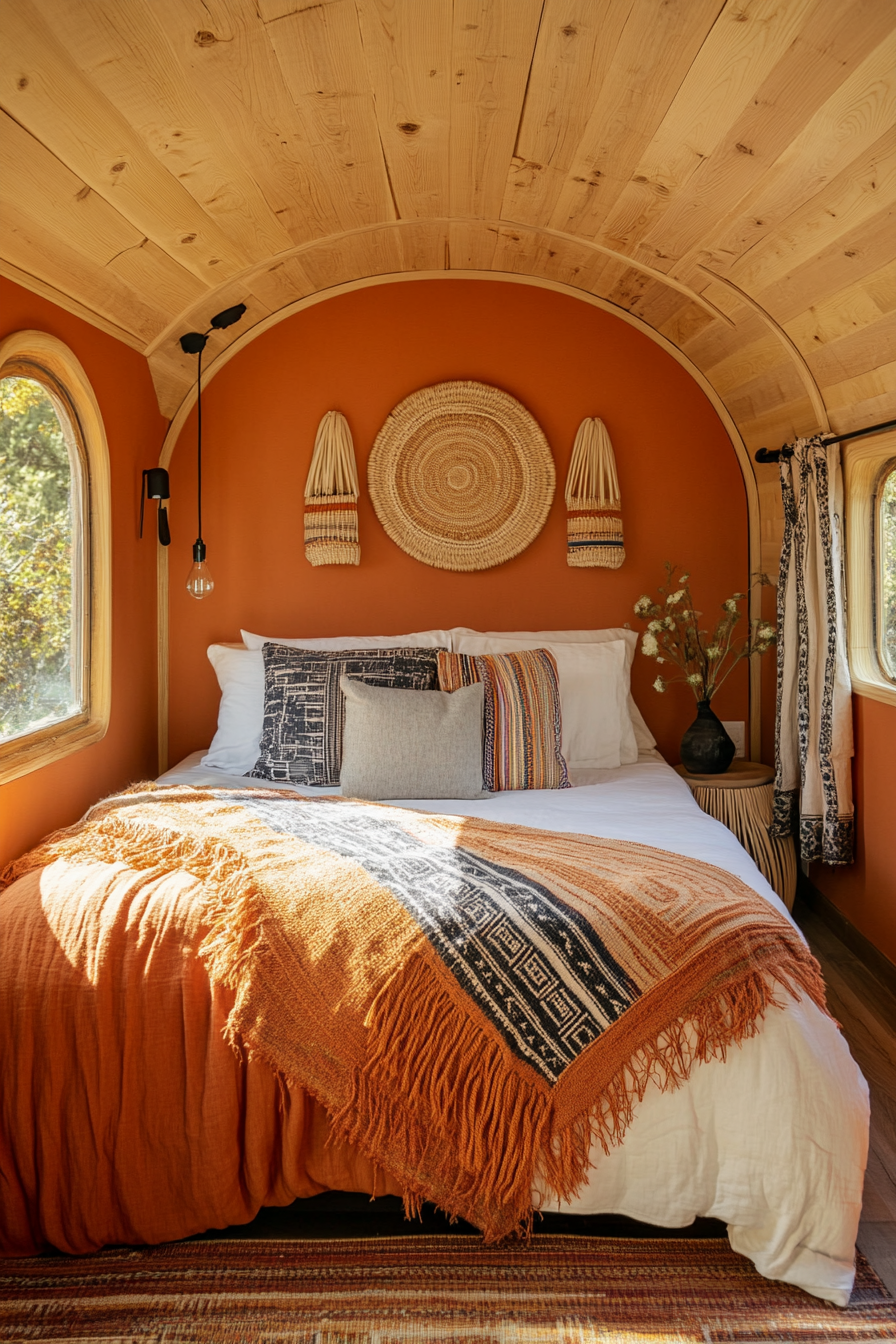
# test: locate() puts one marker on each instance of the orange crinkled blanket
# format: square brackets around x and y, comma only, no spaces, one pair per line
[470,1002]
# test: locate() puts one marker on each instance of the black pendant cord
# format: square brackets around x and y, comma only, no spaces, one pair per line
[775,454]
[199,443]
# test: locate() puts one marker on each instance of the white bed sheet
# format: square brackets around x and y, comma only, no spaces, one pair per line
[773,1141]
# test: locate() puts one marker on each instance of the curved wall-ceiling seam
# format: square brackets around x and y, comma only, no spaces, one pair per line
[812,389]
[245,277]
[274,319]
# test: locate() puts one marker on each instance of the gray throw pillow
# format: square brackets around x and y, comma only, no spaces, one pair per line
[411,744]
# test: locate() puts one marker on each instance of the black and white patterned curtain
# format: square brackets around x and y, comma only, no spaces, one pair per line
[813,780]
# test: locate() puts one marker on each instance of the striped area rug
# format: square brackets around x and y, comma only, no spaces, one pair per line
[425,1290]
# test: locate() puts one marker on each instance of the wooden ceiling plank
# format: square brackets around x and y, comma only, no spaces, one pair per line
[772,428]
[848,260]
[661,304]
[573,56]
[424,245]
[492,46]
[30,246]
[853,198]
[281,283]
[269,10]
[471,245]
[658,46]
[70,305]
[868,411]
[744,46]
[685,324]
[848,310]
[876,384]
[43,89]
[356,256]
[840,43]
[321,58]
[81,220]
[231,62]
[408,54]
[47,190]
[149,270]
[720,342]
[128,53]
[880,286]
[848,124]
[746,363]
[776,386]
[854,354]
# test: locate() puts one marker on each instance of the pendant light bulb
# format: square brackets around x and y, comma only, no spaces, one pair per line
[199,581]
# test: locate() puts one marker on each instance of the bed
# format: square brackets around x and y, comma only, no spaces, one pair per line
[127,1117]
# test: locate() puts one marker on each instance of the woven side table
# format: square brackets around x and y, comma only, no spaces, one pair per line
[741,799]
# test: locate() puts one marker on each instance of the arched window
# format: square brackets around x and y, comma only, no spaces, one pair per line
[870,475]
[885,572]
[54,556]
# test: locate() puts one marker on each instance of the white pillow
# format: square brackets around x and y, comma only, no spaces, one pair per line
[427,639]
[643,737]
[592,694]
[240,673]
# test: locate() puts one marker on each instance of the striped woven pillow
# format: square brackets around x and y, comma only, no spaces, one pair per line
[521,719]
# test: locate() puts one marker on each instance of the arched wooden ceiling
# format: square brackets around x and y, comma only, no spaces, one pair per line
[723,171]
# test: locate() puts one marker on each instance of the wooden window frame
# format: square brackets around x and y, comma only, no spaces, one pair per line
[864,466]
[37,355]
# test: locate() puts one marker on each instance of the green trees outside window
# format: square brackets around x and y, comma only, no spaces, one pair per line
[40,671]
[886,566]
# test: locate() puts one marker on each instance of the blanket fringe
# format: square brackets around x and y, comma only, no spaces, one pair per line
[448,1097]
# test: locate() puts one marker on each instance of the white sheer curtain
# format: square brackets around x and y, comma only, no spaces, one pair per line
[813,782]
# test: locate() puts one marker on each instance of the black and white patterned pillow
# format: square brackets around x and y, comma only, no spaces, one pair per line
[304,709]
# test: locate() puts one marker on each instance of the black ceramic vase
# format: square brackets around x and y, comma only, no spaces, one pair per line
[706,749]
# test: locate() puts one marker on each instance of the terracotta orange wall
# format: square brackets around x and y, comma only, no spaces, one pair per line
[361,353]
[865,891]
[58,794]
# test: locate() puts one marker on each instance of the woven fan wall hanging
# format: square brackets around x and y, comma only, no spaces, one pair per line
[461,476]
[593,503]
[331,496]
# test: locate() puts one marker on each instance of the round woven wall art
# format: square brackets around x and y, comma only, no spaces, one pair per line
[461,476]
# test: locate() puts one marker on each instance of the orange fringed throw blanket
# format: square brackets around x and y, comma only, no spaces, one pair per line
[470,1001]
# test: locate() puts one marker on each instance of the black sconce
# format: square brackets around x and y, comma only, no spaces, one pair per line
[199,581]
[155,486]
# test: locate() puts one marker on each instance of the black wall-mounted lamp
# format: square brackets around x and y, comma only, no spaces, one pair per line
[199,581]
[155,486]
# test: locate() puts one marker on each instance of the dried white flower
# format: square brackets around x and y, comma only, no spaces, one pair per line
[674,597]
[694,679]
[649,645]
[659,684]
[766,632]
[655,625]
[684,578]
[669,622]
[713,651]
[730,604]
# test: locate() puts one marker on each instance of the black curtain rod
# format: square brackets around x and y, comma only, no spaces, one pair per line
[775,454]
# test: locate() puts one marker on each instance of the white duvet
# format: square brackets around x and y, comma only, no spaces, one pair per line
[773,1140]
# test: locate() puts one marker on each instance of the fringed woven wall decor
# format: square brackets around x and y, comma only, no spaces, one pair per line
[331,496]
[594,507]
[461,476]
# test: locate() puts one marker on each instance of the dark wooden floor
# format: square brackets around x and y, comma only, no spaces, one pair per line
[866,1010]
